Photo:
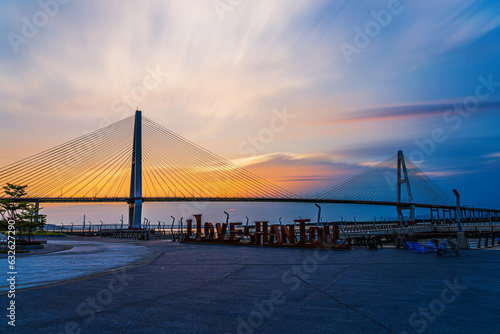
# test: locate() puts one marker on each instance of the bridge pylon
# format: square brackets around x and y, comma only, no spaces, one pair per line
[135,199]
[402,177]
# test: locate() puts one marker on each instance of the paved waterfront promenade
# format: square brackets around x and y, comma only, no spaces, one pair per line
[76,260]
[189,288]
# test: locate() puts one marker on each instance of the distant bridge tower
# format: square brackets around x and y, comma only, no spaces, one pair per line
[402,172]
[135,199]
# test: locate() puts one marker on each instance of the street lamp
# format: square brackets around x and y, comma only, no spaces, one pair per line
[319,214]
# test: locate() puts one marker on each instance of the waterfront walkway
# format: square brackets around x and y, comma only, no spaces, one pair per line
[190,288]
[77,260]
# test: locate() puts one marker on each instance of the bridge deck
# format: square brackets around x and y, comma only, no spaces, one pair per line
[235,199]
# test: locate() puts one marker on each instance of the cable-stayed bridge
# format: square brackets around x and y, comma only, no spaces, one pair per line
[137,160]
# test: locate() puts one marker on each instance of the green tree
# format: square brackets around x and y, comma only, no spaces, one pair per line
[30,219]
[25,214]
[11,207]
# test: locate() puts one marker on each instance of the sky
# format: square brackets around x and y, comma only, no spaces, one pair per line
[303,93]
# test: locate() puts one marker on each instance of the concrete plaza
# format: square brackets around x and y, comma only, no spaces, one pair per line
[117,286]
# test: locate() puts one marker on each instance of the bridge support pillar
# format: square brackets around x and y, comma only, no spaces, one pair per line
[402,177]
[462,240]
[444,214]
[458,211]
[401,217]
[135,213]
[135,200]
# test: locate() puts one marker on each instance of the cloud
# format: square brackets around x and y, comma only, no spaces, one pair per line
[448,24]
[301,172]
[88,61]
[493,155]
[433,28]
[416,110]
[218,67]
[226,77]
[284,157]
[444,174]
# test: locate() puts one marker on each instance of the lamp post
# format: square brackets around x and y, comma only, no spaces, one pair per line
[172,228]
[227,222]
[319,214]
